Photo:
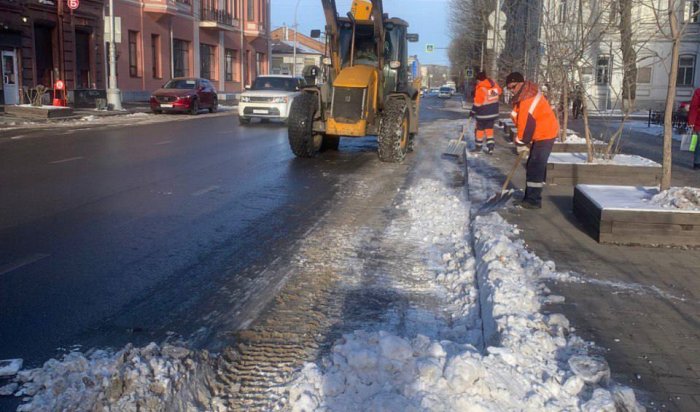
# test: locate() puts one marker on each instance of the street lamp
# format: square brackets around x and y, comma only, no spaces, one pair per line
[294,64]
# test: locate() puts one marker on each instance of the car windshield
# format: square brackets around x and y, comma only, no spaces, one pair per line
[275,83]
[180,84]
[445,89]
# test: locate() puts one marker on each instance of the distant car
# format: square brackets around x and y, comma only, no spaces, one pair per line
[445,92]
[434,92]
[270,97]
[185,94]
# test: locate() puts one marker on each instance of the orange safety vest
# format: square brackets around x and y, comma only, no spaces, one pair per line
[535,120]
[486,99]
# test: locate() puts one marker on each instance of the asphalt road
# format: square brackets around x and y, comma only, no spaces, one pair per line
[122,234]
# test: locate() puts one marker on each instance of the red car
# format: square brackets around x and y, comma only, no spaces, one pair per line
[185,94]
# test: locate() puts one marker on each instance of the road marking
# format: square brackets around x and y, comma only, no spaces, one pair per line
[18,136]
[22,262]
[204,191]
[70,159]
[164,142]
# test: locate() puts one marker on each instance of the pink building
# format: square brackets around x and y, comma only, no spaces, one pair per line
[161,39]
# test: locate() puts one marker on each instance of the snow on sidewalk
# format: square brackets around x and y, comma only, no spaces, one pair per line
[531,360]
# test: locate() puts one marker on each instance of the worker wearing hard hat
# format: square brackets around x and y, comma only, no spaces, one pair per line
[485,109]
[538,129]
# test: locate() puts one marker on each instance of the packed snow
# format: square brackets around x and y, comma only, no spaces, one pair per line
[619,159]
[521,359]
[643,198]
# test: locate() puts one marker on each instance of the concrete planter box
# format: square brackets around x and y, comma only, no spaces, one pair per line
[620,215]
[572,169]
[38,112]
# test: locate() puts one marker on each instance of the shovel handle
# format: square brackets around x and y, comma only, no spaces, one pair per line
[512,171]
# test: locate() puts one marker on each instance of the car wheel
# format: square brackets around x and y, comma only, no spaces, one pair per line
[243,120]
[394,134]
[214,107]
[302,140]
[157,111]
[194,107]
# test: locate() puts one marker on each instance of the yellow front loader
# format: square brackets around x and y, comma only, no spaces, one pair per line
[368,91]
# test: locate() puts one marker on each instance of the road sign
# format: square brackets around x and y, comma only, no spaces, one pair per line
[470,73]
[429,48]
[117,33]
[59,85]
[73,4]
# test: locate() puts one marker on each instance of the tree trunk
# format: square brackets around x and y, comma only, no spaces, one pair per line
[671,96]
[565,106]
[629,55]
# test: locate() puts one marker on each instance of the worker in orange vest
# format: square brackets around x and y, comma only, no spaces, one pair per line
[538,129]
[485,109]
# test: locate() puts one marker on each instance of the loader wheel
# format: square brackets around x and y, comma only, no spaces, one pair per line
[302,140]
[394,133]
[330,143]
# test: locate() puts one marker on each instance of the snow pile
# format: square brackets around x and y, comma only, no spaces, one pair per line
[530,361]
[685,198]
[152,378]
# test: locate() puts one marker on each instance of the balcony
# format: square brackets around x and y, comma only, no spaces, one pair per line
[214,18]
[162,6]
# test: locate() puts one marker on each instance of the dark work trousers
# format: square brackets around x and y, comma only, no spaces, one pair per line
[696,158]
[536,170]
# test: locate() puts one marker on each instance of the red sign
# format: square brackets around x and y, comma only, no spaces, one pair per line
[73,4]
[59,84]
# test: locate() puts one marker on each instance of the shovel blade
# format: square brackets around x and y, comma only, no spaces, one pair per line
[496,202]
[455,148]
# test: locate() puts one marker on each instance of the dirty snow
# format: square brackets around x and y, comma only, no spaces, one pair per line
[684,198]
[521,359]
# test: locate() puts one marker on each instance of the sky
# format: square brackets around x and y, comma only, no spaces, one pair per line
[428,18]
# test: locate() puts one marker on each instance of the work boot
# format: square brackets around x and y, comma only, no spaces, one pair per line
[489,150]
[525,204]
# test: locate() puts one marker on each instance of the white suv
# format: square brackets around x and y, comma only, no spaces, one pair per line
[270,97]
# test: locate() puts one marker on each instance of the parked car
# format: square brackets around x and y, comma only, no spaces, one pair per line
[434,92]
[185,94]
[270,97]
[445,92]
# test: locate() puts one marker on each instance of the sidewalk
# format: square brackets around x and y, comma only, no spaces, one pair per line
[129,108]
[640,304]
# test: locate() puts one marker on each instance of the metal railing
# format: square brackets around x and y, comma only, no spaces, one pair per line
[679,119]
[209,13]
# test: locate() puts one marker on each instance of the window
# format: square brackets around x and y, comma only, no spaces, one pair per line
[259,59]
[686,71]
[692,8]
[644,75]
[561,14]
[155,57]
[251,10]
[181,58]
[602,71]
[207,55]
[133,53]
[229,65]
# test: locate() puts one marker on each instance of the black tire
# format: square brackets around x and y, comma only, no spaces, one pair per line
[394,132]
[411,142]
[302,140]
[243,120]
[214,107]
[194,107]
[156,111]
[330,143]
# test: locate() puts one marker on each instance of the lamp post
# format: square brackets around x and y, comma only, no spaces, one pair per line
[114,97]
[294,64]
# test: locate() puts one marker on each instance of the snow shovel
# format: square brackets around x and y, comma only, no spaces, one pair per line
[456,147]
[500,199]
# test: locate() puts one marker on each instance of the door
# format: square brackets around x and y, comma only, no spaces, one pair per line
[9,77]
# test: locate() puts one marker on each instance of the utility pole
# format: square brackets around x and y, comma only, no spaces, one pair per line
[496,33]
[114,97]
[294,64]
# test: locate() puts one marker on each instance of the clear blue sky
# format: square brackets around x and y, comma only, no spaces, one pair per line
[428,18]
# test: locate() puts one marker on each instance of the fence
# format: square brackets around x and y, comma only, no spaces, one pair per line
[679,119]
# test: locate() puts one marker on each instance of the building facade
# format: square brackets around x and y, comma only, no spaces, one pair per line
[43,41]
[225,41]
[309,51]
